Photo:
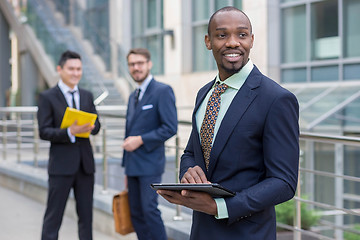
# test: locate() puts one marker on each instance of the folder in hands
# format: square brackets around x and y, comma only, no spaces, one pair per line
[71,115]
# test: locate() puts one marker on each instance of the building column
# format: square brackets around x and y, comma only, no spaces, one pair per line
[5,67]
[29,80]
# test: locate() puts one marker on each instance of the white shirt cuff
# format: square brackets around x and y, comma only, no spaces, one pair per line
[71,137]
[222,211]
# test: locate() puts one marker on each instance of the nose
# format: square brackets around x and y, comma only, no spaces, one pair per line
[233,41]
[78,72]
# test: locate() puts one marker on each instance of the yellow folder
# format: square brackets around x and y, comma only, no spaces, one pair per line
[71,115]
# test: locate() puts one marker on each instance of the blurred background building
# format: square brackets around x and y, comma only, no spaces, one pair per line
[310,47]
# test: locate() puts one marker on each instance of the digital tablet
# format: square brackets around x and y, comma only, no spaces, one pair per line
[214,189]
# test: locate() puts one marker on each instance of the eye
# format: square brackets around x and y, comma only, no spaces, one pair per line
[221,35]
[242,35]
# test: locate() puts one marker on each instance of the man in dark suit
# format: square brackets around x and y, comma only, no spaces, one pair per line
[254,150]
[151,120]
[71,160]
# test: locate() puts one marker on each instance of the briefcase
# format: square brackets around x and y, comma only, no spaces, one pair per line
[121,210]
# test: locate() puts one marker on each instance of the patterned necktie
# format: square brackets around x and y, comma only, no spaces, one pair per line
[208,124]
[137,94]
[73,99]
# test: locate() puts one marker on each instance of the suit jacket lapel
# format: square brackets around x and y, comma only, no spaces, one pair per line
[135,110]
[131,111]
[146,96]
[81,102]
[61,97]
[241,102]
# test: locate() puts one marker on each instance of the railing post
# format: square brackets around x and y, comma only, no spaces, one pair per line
[297,218]
[4,140]
[18,136]
[105,183]
[36,141]
[178,216]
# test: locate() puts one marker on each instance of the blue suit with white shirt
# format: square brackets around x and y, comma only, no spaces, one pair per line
[154,118]
[255,153]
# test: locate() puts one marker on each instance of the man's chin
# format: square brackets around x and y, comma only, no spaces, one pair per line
[233,70]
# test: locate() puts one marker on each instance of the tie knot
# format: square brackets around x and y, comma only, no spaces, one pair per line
[72,92]
[220,88]
[137,92]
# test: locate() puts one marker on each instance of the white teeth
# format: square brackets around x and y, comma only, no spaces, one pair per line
[232,55]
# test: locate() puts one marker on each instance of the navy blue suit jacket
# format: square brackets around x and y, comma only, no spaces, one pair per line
[65,157]
[155,119]
[255,154]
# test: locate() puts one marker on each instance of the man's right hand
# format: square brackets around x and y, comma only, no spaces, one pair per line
[194,175]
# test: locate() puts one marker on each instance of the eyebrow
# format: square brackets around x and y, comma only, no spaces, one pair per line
[222,29]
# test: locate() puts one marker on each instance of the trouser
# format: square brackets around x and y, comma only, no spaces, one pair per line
[145,215]
[59,189]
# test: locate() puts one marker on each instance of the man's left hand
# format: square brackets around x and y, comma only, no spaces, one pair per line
[198,201]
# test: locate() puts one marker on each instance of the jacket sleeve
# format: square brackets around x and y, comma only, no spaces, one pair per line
[168,121]
[93,110]
[49,128]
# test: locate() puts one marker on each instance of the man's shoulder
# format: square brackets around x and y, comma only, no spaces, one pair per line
[84,91]
[50,91]
[160,86]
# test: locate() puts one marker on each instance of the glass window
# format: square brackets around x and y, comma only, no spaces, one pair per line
[352,72]
[325,74]
[152,14]
[293,75]
[324,161]
[202,56]
[201,12]
[351,28]
[238,4]
[324,32]
[221,3]
[154,44]
[294,34]
[147,27]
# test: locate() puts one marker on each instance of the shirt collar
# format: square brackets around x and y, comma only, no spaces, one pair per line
[65,88]
[143,86]
[237,80]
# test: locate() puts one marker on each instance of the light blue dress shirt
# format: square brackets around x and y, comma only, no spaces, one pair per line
[234,82]
[143,86]
[65,89]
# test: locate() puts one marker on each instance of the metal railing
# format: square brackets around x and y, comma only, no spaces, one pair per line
[20,142]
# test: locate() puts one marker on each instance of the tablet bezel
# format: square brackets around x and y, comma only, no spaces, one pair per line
[214,189]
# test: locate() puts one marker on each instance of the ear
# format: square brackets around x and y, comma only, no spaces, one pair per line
[252,40]
[58,68]
[207,42]
[150,65]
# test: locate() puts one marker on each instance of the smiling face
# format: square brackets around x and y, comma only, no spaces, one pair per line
[230,38]
[71,72]
[139,67]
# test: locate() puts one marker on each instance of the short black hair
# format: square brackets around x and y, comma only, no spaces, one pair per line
[66,56]
[141,51]
[227,9]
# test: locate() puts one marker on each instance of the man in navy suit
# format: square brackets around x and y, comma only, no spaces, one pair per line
[71,160]
[151,120]
[255,149]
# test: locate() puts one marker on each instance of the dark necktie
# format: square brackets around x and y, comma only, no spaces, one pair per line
[208,124]
[137,94]
[73,99]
